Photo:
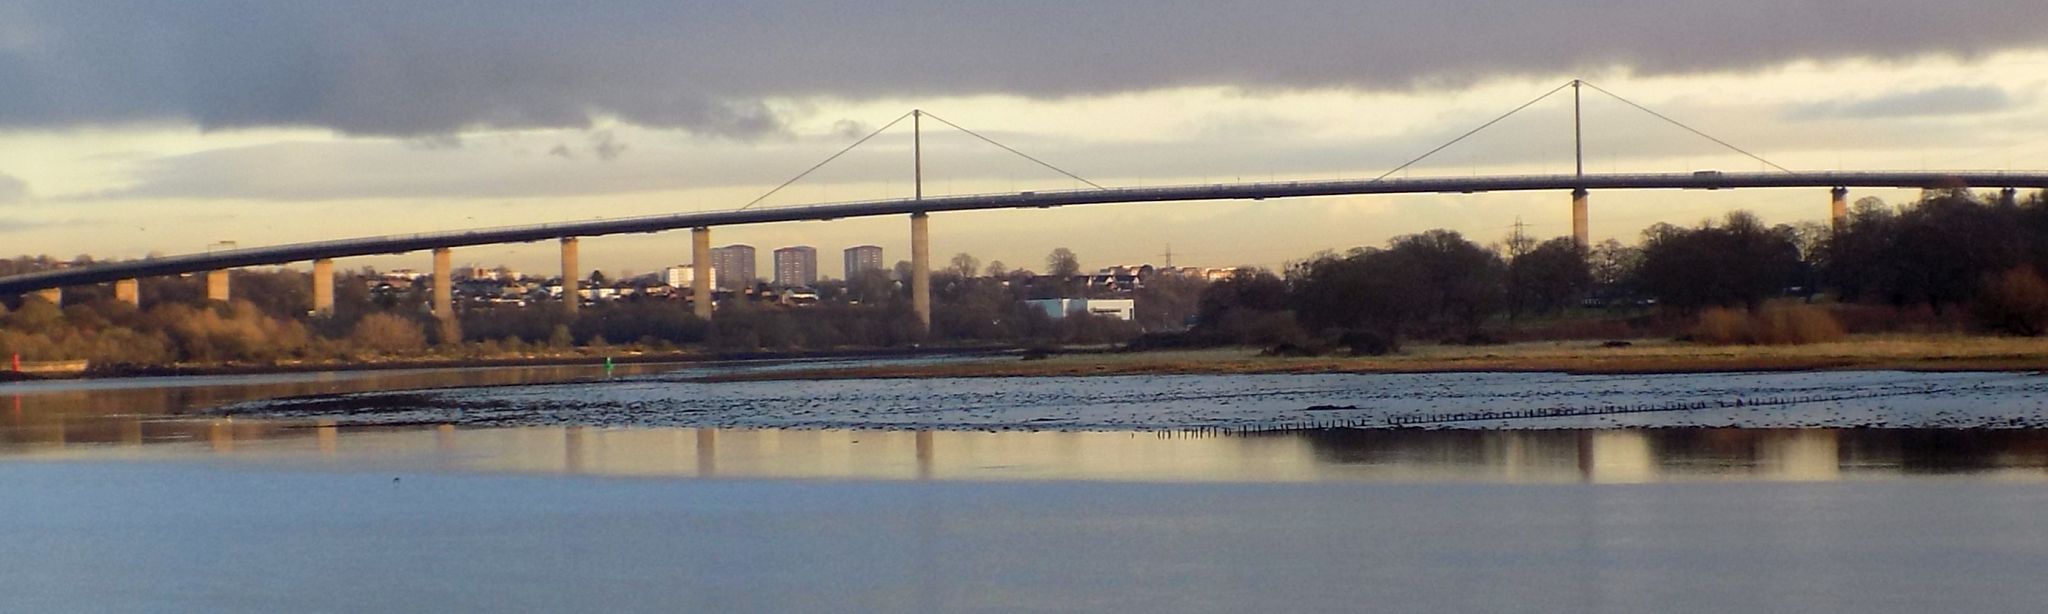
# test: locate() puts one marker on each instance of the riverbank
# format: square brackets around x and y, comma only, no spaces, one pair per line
[1945,353]
[567,358]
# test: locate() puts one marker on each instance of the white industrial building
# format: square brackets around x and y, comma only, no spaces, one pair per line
[1057,308]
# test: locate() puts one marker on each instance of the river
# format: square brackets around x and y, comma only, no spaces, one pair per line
[655,492]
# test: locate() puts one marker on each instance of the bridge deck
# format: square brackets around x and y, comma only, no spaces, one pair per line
[394,244]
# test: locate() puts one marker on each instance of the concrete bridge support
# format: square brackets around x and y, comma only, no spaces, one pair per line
[323,287]
[1838,208]
[572,295]
[921,268]
[444,283]
[217,285]
[700,271]
[54,295]
[1582,232]
[128,291]
[2009,197]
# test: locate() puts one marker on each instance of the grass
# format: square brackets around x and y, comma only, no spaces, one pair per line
[1902,352]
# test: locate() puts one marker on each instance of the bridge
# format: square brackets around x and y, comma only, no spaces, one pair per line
[125,275]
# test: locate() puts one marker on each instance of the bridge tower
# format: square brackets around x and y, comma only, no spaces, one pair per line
[1582,232]
[449,326]
[700,271]
[572,295]
[323,287]
[217,285]
[920,231]
[128,291]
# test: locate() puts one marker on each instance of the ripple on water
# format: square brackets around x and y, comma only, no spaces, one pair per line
[1175,402]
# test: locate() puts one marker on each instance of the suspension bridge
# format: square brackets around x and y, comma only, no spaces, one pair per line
[1579,184]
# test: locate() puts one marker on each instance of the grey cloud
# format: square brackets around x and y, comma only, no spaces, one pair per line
[12,189]
[487,169]
[397,67]
[606,146]
[1952,100]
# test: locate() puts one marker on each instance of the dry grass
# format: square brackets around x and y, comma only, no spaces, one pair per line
[1904,352]
[1775,324]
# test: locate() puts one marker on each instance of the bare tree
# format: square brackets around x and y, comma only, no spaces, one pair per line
[1062,263]
[965,265]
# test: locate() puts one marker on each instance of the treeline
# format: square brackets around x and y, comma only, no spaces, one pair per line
[1951,248]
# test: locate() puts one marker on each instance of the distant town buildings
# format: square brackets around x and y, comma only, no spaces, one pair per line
[862,258]
[734,265]
[796,266]
[684,275]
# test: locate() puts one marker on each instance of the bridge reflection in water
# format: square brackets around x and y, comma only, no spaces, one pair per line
[1549,456]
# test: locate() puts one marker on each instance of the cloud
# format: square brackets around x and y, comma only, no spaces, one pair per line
[605,146]
[12,189]
[392,67]
[1951,100]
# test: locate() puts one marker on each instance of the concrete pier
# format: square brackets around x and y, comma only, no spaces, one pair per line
[217,285]
[572,295]
[444,283]
[921,268]
[700,271]
[323,287]
[128,291]
[2009,197]
[1582,232]
[1838,208]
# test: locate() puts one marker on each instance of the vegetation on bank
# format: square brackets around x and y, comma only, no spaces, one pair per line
[1952,262]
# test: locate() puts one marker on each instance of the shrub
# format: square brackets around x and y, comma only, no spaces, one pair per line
[1795,325]
[1722,326]
[1366,343]
[1774,324]
[388,333]
[2015,302]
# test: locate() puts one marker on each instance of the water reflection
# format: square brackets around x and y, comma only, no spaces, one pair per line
[153,418]
[1595,456]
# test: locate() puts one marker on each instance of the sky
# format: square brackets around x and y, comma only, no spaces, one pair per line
[137,128]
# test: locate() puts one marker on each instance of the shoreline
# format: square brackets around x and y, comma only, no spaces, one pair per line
[1888,353]
[569,360]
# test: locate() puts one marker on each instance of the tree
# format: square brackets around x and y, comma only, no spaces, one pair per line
[597,278]
[2015,302]
[997,270]
[1938,251]
[1435,281]
[1549,277]
[1062,263]
[965,265]
[1167,301]
[1249,307]
[1738,263]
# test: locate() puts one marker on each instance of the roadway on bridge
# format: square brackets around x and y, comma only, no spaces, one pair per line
[396,244]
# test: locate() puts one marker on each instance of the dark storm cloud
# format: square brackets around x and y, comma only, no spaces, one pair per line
[409,68]
[1953,100]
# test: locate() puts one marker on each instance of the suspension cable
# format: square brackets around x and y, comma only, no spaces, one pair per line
[1687,128]
[827,160]
[1014,151]
[1462,137]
